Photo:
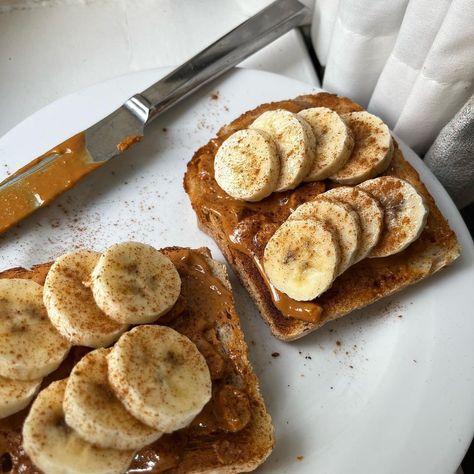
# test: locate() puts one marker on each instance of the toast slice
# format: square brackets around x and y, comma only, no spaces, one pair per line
[241,230]
[204,446]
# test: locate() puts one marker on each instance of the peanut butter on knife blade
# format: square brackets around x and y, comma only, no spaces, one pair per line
[55,172]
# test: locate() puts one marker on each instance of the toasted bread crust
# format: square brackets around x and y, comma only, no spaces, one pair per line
[363,283]
[253,445]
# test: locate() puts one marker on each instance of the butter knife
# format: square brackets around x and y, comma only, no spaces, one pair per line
[45,178]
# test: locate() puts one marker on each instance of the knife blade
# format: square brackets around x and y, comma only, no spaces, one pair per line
[46,177]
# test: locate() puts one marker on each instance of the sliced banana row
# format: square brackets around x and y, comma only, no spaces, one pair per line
[88,299]
[323,237]
[282,149]
[116,401]
[95,413]
[92,298]
[70,304]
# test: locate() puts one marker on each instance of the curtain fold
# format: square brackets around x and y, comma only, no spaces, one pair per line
[413,44]
[409,61]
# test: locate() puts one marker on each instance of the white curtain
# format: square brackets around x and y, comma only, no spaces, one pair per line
[409,61]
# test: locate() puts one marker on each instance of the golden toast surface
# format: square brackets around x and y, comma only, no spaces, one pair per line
[363,283]
[196,449]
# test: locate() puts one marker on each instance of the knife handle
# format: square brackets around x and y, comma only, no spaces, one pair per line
[255,33]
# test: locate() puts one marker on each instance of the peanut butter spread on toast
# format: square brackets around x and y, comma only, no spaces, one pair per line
[219,435]
[242,230]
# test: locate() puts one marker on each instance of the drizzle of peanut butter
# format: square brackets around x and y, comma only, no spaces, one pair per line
[202,309]
[43,186]
[303,310]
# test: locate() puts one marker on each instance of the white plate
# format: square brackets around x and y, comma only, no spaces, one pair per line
[388,389]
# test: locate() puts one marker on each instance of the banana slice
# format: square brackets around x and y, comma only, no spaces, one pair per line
[247,165]
[370,216]
[134,283]
[30,346]
[71,306]
[405,213]
[16,394]
[372,152]
[340,217]
[334,142]
[95,413]
[160,377]
[295,143]
[301,259]
[56,449]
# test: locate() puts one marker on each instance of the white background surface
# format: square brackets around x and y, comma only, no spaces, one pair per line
[54,47]
[371,393]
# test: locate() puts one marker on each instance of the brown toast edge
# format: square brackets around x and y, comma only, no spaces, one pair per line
[260,443]
[357,287]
